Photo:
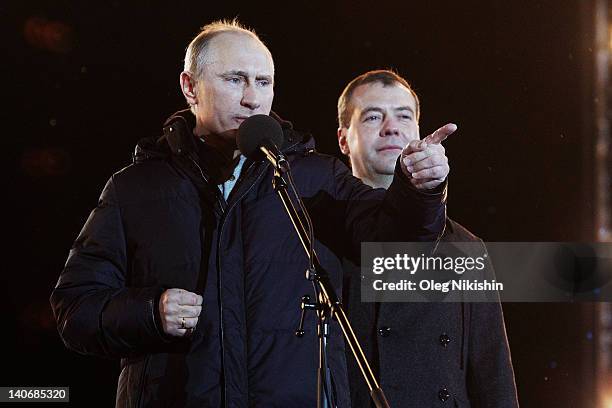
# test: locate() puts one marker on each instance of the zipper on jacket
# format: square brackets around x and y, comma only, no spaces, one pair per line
[222,203]
[219,275]
[224,211]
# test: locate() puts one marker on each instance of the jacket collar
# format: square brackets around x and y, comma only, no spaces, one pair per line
[178,138]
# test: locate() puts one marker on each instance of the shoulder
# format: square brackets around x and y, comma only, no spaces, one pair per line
[456,232]
[319,165]
[143,171]
[149,180]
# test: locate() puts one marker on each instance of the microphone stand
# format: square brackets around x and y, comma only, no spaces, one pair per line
[327,304]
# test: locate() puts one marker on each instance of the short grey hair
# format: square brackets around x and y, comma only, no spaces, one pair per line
[195,55]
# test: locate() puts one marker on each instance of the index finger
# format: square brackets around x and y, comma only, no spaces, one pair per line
[190,299]
[442,133]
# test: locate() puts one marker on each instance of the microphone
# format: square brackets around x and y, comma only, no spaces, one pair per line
[259,137]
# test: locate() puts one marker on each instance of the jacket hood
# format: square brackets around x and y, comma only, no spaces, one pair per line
[178,138]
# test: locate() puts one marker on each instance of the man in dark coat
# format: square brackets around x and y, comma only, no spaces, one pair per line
[425,354]
[189,270]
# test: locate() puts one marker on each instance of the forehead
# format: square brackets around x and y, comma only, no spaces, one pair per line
[239,52]
[377,95]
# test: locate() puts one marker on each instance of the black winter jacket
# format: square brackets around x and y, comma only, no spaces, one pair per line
[160,223]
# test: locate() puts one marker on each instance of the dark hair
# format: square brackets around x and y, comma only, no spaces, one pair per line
[385,77]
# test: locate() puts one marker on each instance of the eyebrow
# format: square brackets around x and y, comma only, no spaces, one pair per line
[369,109]
[245,75]
[402,108]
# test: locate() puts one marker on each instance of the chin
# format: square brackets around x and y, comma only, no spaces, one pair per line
[386,170]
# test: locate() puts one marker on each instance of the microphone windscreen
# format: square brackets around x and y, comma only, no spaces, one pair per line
[256,131]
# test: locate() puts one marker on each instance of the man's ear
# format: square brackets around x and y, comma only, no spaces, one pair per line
[342,141]
[188,86]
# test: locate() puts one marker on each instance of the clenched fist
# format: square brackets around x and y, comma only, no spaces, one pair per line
[179,311]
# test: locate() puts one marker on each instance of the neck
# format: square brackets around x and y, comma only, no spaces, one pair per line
[376,180]
[224,143]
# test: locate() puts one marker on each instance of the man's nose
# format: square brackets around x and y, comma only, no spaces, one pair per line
[390,128]
[250,98]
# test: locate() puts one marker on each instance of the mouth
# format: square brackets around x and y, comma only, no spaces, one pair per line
[390,148]
[240,118]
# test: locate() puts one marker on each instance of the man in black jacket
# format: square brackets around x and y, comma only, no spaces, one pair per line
[425,354]
[189,270]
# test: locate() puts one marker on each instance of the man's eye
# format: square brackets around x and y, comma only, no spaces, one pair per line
[372,118]
[233,80]
[406,117]
[264,82]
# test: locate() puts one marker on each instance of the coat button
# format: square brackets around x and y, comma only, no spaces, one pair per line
[384,331]
[443,394]
[444,339]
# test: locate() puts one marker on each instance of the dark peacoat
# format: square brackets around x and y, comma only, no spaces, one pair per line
[431,354]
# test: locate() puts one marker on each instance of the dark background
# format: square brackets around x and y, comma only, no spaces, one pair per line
[514,75]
